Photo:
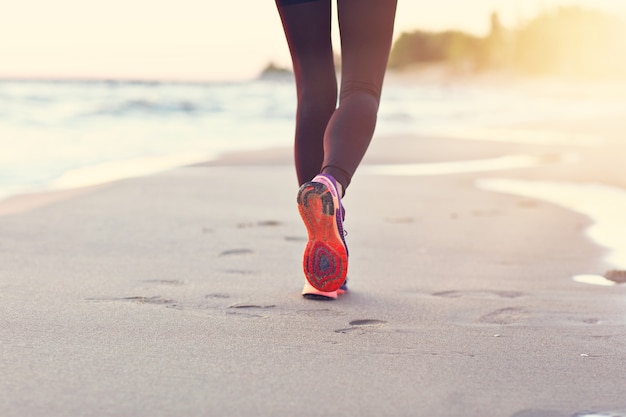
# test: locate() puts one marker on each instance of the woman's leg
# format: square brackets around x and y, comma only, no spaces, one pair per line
[328,140]
[366,34]
[307,28]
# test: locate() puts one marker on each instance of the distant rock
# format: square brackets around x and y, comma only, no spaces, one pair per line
[274,72]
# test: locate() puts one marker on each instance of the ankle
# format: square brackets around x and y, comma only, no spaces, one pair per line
[341,177]
[339,188]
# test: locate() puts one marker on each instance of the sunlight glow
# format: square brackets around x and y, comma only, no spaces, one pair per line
[198,40]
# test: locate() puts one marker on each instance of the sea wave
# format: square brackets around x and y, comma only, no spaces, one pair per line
[49,128]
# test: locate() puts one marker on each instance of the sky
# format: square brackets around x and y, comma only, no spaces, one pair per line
[200,39]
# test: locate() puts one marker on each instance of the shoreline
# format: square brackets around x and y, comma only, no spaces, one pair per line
[490,162]
[418,149]
[78,181]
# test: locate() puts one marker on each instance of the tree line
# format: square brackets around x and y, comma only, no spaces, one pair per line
[565,41]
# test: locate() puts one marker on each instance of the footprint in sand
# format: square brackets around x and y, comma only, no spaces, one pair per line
[321,313]
[505,316]
[173,282]
[478,294]
[240,271]
[366,322]
[217,295]
[252,306]
[361,325]
[264,223]
[157,299]
[232,252]
[249,310]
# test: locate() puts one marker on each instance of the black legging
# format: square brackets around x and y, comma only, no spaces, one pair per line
[332,139]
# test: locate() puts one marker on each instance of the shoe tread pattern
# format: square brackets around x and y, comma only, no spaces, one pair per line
[325,260]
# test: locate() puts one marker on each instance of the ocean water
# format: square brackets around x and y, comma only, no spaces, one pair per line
[60,134]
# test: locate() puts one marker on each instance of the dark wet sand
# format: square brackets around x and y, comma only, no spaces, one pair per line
[178,294]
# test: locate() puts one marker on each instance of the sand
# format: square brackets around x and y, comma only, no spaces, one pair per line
[177,294]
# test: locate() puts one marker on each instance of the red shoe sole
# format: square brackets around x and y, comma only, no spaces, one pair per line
[325,260]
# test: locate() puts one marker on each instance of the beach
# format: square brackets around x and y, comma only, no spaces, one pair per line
[178,293]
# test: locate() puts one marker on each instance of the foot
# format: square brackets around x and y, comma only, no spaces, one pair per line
[325,260]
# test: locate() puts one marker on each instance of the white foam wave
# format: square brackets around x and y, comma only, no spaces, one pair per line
[113,171]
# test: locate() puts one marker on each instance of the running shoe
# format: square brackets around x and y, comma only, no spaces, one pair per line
[311,293]
[325,260]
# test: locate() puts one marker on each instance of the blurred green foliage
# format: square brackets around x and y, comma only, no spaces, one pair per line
[565,41]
